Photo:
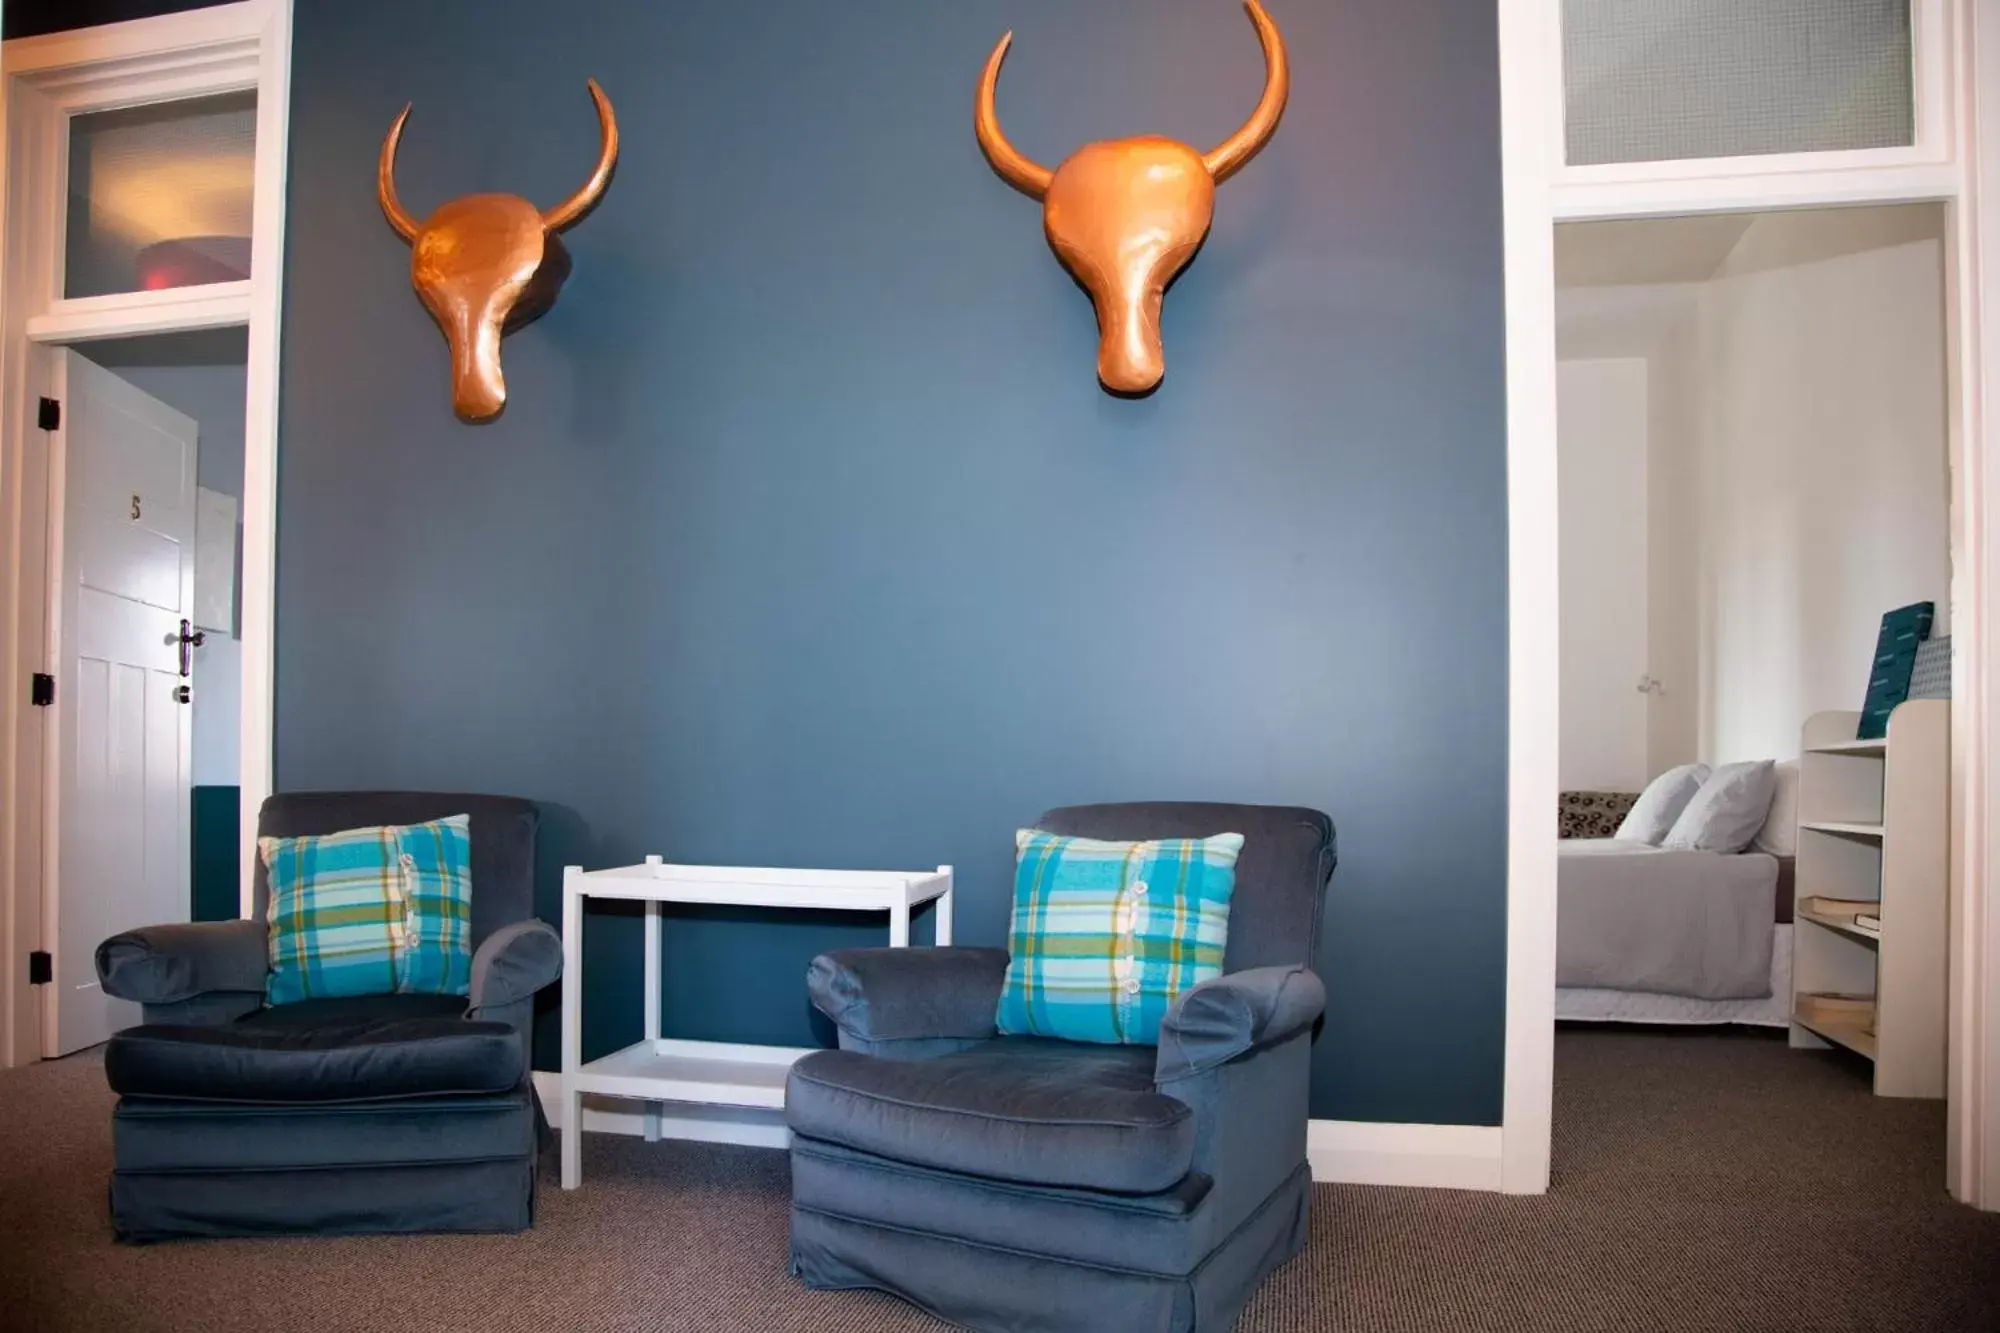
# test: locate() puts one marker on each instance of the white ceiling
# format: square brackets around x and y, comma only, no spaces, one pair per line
[1646,250]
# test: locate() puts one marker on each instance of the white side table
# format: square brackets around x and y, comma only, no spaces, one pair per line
[722,1074]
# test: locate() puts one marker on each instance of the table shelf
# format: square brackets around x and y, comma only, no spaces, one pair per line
[1851,1028]
[677,1080]
[709,1073]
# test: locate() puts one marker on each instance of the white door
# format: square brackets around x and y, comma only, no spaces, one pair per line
[127,474]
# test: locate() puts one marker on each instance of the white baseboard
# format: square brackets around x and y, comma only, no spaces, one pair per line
[1342,1152]
[1453,1157]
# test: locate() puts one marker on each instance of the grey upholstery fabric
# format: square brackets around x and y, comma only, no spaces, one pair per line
[497,1194]
[1287,857]
[353,1010]
[1221,1019]
[162,1134]
[1018,1109]
[421,1057]
[895,1187]
[1148,1231]
[172,963]
[377,1113]
[909,1003]
[503,840]
[513,963]
[207,1008]
[999,1287]
[1250,1129]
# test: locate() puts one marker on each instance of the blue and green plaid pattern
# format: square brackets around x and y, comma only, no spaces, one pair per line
[371,911]
[1107,934]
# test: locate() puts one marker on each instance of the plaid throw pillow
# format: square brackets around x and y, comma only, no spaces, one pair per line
[371,911]
[1107,934]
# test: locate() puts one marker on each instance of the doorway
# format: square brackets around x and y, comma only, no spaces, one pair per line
[1753,454]
[1943,145]
[144,180]
[148,663]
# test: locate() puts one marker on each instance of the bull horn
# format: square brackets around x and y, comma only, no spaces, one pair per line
[585,199]
[1232,153]
[385,182]
[1023,173]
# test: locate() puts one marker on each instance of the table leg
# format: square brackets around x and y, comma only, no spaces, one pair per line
[572,1029]
[943,919]
[651,1118]
[899,927]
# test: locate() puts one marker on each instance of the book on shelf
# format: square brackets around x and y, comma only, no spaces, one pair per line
[1845,909]
[1868,922]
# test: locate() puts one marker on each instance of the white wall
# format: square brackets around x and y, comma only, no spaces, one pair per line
[1602,526]
[1795,482]
[1673,545]
[1821,473]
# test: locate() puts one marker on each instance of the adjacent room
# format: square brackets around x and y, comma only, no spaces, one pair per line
[892,667]
[1755,647]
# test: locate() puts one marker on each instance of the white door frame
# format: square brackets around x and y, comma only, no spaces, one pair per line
[43,81]
[1957,81]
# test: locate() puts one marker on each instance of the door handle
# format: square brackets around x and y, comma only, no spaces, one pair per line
[189,641]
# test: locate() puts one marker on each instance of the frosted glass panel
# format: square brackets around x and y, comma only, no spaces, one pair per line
[159,196]
[1654,80]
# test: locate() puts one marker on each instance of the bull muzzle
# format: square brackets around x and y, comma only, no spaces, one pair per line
[486,264]
[1126,215]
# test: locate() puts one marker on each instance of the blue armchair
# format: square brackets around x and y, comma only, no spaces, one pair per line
[1015,1182]
[372,1113]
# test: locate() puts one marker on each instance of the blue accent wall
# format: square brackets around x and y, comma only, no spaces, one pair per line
[808,536]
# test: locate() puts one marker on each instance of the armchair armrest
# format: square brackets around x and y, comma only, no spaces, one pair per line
[1219,1020]
[165,965]
[909,1003]
[512,964]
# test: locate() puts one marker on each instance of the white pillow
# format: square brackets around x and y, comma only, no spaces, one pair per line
[1652,816]
[1728,810]
[1780,834]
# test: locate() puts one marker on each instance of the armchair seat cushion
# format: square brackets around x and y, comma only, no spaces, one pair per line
[366,1060]
[1025,1110]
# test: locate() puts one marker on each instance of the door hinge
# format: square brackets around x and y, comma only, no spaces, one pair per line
[41,968]
[49,415]
[42,691]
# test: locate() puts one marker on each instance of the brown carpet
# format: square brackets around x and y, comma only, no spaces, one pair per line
[1703,1181]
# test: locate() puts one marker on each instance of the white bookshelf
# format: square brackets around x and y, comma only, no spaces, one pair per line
[1874,824]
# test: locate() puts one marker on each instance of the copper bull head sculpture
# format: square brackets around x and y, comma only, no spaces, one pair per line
[486,264]
[1126,215]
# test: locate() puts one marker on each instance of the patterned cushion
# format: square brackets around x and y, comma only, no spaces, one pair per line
[371,911]
[1107,934]
[1593,814]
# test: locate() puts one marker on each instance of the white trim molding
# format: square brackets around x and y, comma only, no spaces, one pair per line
[1340,1152]
[1452,1157]
[220,49]
[1533,580]
[1973,290]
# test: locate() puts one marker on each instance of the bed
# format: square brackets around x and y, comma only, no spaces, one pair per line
[1649,935]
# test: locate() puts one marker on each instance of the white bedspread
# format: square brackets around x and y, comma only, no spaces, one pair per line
[1637,918]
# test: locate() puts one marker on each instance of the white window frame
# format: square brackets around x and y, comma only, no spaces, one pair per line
[43,82]
[1929,159]
[1956,161]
